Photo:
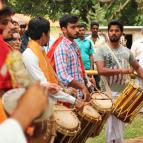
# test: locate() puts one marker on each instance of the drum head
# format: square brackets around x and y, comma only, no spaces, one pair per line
[10,100]
[65,119]
[90,113]
[101,102]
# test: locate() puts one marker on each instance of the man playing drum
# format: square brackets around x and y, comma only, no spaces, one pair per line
[36,61]
[68,62]
[107,58]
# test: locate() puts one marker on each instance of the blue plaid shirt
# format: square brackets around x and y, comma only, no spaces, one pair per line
[67,62]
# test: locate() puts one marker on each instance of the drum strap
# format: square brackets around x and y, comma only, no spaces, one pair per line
[107,88]
[103,78]
[115,58]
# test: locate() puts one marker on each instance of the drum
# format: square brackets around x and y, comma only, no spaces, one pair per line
[90,119]
[128,103]
[67,124]
[103,104]
[42,124]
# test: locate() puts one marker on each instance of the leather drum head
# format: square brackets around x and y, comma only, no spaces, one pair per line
[101,102]
[65,119]
[10,98]
[90,113]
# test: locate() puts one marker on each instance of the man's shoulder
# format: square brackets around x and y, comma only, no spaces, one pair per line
[29,54]
[138,41]
[62,46]
[124,48]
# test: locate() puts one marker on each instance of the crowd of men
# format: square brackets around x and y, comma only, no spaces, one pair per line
[64,65]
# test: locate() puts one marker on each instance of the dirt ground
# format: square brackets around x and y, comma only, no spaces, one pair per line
[135,140]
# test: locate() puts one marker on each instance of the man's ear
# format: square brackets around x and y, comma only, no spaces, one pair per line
[64,29]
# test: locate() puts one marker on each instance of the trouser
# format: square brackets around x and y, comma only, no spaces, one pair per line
[115,128]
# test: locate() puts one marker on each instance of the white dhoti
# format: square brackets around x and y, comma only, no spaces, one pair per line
[115,128]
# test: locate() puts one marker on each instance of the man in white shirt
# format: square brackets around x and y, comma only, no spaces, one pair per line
[97,41]
[36,61]
[137,50]
[96,37]
[12,129]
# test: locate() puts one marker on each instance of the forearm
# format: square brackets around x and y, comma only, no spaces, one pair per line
[109,72]
[76,84]
[91,62]
[19,116]
[62,96]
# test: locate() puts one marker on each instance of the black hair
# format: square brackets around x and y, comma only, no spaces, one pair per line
[65,19]
[37,26]
[115,22]
[6,11]
[94,23]
[82,25]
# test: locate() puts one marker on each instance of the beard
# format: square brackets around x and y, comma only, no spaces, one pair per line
[114,39]
[94,34]
[72,36]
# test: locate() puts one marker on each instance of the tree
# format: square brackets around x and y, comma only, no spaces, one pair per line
[128,11]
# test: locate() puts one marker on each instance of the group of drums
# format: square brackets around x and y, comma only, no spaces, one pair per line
[68,125]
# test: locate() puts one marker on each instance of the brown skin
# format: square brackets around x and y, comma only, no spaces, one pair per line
[7,27]
[114,34]
[94,30]
[25,112]
[71,32]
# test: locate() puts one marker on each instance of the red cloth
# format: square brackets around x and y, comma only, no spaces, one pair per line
[81,63]
[50,53]
[5,80]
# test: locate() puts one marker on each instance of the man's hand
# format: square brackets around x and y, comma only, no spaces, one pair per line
[31,104]
[93,82]
[79,103]
[52,87]
[86,93]
[72,91]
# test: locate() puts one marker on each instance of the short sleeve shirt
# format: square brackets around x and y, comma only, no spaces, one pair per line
[125,58]
[86,50]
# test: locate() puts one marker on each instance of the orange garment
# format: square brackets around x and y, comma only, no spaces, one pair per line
[2,112]
[43,61]
[50,53]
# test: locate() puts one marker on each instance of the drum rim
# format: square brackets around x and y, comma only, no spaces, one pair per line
[90,118]
[97,107]
[66,131]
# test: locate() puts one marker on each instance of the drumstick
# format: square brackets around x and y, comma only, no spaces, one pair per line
[101,95]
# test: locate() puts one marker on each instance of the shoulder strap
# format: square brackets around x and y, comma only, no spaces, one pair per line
[114,56]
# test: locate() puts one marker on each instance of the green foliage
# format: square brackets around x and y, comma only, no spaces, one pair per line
[128,11]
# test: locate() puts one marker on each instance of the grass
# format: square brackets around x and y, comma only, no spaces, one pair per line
[135,129]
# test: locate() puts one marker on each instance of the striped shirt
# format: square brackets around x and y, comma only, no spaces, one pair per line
[68,66]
